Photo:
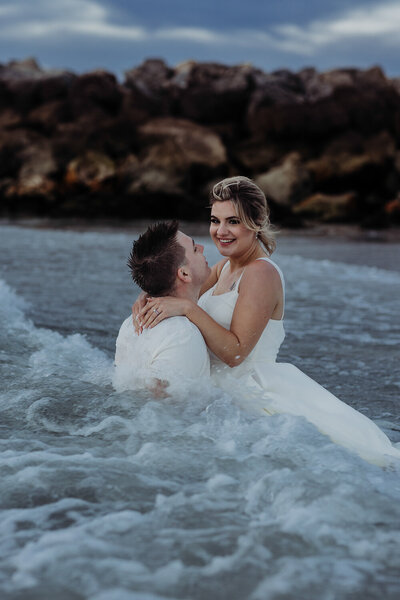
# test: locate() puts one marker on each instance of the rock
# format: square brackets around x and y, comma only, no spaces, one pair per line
[392,210]
[318,86]
[254,156]
[155,182]
[9,119]
[327,208]
[24,85]
[395,82]
[97,91]
[149,86]
[327,104]
[16,147]
[286,183]
[178,144]
[47,117]
[140,180]
[354,161]
[211,92]
[35,174]
[397,161]
[176,155]
[88,143]
[35,178]
[113,136]
[276,99]
[90,170]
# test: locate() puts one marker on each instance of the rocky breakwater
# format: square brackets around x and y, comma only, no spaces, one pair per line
[325,147]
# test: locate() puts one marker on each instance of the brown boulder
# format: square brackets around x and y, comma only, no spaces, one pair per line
[328,209]
[397,161]
[24,85]
[176,155]
[35,177]
[149,86]
[96,92]
[255,156]
[286,183]
[152,181]
[275,105]
[16,147]
[47,117]
[354,165]
[138,179]
[324,104]
[9,119]
[392,210]
[177,144]
[90,170]
[211,92]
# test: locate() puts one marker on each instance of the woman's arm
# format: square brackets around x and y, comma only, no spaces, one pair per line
[260,292]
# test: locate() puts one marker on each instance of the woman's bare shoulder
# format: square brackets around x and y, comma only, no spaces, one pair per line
[213,276]
[261,272]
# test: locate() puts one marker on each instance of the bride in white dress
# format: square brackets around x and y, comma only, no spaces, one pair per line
[240,314]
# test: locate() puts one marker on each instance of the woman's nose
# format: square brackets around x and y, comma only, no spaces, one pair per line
[222,228]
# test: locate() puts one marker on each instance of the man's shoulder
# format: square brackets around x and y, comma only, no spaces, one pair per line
[178,327]
[127,328]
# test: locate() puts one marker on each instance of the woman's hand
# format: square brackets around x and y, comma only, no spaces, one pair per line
[136,308]
[158,309]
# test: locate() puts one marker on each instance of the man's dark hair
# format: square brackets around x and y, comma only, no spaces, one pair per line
[155,258]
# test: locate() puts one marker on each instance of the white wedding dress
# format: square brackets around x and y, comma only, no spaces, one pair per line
[272,387]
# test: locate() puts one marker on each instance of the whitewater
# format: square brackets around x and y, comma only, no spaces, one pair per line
[110,495]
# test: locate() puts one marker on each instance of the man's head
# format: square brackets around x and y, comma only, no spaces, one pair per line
[164,259]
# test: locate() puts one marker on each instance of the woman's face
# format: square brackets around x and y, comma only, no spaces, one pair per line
[230,236]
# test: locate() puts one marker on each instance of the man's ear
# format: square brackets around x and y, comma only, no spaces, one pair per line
[184,274]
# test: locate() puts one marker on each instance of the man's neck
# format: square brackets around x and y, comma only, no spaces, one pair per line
[188,292]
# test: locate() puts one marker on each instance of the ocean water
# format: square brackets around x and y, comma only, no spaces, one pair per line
[120,496]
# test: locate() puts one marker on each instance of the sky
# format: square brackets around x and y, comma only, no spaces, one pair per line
[116,35]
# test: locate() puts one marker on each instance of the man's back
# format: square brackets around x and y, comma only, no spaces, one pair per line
[173,349]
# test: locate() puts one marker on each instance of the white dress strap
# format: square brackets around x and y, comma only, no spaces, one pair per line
[280,275]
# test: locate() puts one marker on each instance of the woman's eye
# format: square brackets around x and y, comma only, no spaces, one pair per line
[234,222]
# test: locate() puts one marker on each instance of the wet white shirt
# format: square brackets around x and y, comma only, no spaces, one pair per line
[173,349]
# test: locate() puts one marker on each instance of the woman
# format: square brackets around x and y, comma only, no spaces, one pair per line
[240,314]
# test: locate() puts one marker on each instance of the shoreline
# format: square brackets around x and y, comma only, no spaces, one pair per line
[340,231]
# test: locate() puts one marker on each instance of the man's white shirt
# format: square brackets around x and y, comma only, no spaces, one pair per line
[173,349]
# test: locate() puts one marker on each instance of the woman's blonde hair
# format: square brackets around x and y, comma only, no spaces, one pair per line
[251,206]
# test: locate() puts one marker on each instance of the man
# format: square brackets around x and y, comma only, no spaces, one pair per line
[163,262]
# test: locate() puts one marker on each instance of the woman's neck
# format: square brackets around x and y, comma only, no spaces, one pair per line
[254,252]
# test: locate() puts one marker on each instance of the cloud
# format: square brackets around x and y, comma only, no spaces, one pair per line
[195,34]
[52,21]
[381,23]
[45,18]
